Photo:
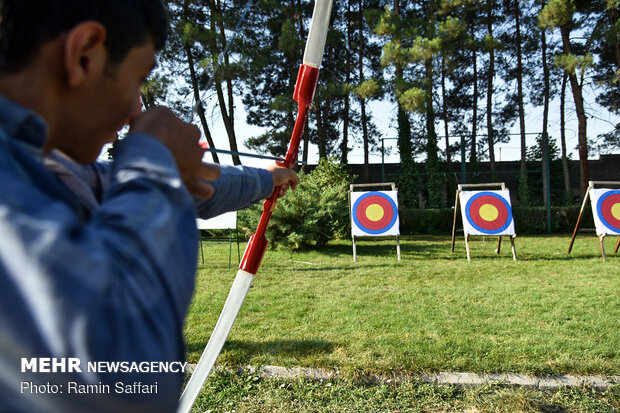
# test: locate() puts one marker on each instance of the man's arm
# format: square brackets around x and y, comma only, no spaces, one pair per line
[238,187]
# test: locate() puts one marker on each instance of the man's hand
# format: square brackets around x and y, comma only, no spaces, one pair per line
[284,178]
[181,138]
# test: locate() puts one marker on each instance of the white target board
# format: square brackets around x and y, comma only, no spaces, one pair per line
[606,210]
[374,213]
[227,220]
[487,212]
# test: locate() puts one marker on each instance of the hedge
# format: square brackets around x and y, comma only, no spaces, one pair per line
[528,220]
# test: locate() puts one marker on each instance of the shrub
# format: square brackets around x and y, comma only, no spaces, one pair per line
[312,214]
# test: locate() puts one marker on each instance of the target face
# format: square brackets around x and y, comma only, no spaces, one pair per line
[374,213]
[487,213]
[606,210]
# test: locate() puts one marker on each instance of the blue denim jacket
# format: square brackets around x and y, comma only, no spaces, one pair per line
[113,284]
[237,187]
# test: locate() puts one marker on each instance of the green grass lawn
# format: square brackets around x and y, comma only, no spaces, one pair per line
[225,392]
[548,313]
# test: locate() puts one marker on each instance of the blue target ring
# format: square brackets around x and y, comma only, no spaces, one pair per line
[389,208]
[503,207]
[604,209]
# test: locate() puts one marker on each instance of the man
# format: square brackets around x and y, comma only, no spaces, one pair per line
[80,289]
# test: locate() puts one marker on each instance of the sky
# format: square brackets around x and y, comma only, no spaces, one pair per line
[384,115]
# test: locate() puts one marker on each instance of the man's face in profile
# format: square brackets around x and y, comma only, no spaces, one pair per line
[106,102]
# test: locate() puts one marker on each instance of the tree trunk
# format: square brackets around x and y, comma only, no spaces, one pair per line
[613,14]
[409,185]
[432,160]
[306,132]
[545,137]
[565,169]
[445,113]
[226,108]
[491,76]
[473,156]
[199,109]
[523,186]
[364,118]
[581,114]
[321,130]
[344,147]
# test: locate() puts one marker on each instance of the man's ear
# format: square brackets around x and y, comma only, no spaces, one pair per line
[85,52]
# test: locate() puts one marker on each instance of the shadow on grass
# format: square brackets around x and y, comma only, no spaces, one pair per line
[368,248]
[549,408]
[351,266]
[242,351]
[437,247]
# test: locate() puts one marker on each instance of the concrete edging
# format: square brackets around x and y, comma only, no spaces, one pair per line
[452,378]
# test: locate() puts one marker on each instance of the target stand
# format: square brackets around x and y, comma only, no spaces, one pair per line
[484,211]
[605,200]
[374,213]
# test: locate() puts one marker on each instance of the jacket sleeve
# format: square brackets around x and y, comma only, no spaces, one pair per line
[237,187]
[113,289]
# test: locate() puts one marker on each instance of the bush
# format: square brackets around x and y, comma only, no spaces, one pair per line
[312,214]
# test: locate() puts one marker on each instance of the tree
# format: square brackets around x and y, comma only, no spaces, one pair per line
[273,47]
[179,57]
[394,27]
[218,45]
[559,14]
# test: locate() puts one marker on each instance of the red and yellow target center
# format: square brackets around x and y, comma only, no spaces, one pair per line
[374,212]
[488,212]
[615,211]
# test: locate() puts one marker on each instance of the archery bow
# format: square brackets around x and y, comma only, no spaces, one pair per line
[305,87]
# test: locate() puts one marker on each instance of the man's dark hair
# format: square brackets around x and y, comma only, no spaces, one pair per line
[26,25]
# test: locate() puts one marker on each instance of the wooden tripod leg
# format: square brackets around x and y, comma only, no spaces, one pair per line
[499,244]
[456,207]
[617,245]
[514,249]
[585,198]
[354,250]
[601,239]
[398,247]
[467,247]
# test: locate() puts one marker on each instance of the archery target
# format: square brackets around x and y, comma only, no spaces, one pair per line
[606,210]
[374,213]
[487,213]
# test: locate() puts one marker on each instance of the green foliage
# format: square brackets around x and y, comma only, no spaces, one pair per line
[289,42]
[426,221]
[367,89]
[413,100]
[312,214]
[528,220]
[570,63]
[534,152]
[524,190]
[424,49]
[394,54]
[556,13]
[451,28]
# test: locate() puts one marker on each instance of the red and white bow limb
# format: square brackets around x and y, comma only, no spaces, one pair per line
[307,79]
